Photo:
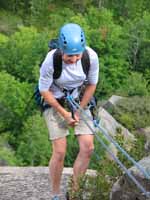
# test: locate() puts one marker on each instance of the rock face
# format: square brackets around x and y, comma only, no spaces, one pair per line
[112,101]
[3,162]
[30,183]
[111,125]
[125,189]
[146,132]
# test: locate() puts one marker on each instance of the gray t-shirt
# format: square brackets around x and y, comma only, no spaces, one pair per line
[72,75]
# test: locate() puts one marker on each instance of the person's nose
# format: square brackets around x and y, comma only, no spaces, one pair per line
[73,59]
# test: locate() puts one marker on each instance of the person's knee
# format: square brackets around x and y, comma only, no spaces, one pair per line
[59,155]
[90,150]
[87,150]
[59,149]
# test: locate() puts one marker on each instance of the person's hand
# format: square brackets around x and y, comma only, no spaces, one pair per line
[70,121]
[77,116]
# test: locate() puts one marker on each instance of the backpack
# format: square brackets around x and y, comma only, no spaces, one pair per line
[57,62]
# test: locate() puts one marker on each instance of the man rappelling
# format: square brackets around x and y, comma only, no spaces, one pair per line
[53,86]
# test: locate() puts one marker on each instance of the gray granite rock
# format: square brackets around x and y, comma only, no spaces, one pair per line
[146,132]
[112,101]
[112,126]
[3,162]
[30,183]
[125,189]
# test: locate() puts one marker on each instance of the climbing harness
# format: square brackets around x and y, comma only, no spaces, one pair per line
[76,106]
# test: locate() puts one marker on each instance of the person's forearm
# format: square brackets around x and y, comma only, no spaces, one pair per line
[51,100]
[89,91]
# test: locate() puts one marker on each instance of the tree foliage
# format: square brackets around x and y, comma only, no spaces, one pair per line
[22,53]
[139,43]
[13,101]
[34,148]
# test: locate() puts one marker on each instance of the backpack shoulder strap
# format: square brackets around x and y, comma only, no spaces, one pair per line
[57,64]
[85,60]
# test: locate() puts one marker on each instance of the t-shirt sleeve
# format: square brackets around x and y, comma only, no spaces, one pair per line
[93,75]
[46,72]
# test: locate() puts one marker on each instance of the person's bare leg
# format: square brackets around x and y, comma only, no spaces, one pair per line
[56,164]
[82,161]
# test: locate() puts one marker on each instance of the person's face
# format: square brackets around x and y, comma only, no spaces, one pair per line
[71,59]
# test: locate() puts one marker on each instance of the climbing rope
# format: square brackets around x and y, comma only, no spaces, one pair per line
[76,106]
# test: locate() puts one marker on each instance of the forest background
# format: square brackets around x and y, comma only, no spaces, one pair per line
[119,31]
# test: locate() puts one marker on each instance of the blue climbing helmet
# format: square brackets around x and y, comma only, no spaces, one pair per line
[71,39]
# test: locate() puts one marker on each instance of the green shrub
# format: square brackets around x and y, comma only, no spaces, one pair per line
[9,22]
[33,144]
[91,187]
[14,97]
[133,112]
[40,10]
[134,85]
[72,149]
[99,185]
[137,151]
[147,78]
[22,53]
[3,38]
[138,38]
[99,151]
[7,154]
[106,37]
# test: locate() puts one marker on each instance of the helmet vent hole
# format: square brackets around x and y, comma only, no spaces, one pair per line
[72,43]
[65,42]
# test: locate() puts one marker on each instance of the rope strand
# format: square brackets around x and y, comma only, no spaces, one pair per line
[75,105]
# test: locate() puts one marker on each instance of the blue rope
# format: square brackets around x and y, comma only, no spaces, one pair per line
[77,106]
[112,140]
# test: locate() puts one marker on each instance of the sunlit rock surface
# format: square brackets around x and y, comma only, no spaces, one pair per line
[30,183]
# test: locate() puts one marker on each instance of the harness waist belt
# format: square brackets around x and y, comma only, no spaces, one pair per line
[61,101]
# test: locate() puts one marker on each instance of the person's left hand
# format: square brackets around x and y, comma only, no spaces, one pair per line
[77,117]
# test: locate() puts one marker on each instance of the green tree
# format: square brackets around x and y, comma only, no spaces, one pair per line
[7,154]
[133,112]
[127,8]
[139,43]
[40,10]
[21,54]
[3,39]
[21,7]
[135,85]
[13,101]
[106,38]
[33,146]
[9,22]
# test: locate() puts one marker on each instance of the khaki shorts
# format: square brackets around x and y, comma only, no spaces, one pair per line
[58,127]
